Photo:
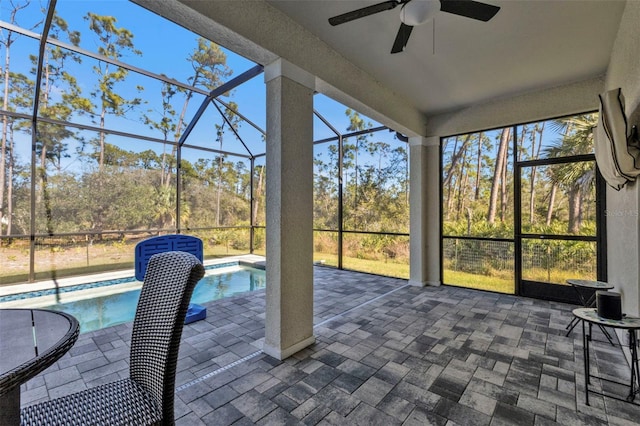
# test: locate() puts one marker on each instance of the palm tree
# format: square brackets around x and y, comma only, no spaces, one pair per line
[574,179]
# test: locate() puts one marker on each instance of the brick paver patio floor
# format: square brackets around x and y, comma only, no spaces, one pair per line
[386,354]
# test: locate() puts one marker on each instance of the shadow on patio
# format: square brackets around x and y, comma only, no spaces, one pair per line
[386,353]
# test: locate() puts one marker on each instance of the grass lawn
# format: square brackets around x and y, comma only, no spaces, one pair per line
[70,261]
[389,269]
[480,282]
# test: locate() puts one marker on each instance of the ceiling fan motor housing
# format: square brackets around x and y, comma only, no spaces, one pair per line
[417,12]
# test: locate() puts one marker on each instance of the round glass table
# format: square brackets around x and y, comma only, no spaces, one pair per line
[30,341]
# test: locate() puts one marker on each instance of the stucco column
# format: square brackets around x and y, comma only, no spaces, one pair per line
[289,205]
[424,198]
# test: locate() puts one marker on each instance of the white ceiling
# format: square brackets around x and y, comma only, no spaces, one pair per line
[529,45]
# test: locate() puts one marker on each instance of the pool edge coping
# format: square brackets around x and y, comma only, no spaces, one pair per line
[252,260]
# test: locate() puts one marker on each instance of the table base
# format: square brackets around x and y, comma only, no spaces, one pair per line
[10,407]
[634,382]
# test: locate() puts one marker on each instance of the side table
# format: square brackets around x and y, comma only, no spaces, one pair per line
[580,286]
[589,316]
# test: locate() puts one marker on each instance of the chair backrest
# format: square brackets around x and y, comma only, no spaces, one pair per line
[157,327]
[172,242]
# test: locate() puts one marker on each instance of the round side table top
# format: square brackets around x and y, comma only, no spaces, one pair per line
[601,285]
[591,315]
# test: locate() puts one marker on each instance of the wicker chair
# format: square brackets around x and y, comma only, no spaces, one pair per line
[147,396]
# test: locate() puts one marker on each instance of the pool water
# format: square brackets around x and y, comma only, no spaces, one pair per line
[111,309]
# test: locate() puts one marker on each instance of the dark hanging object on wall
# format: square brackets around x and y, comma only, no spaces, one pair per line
[609,305]
[616,143]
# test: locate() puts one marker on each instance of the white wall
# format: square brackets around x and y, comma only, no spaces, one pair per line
[623,221]
[568,99]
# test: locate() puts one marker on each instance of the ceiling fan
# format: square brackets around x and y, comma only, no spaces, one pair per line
[416,12]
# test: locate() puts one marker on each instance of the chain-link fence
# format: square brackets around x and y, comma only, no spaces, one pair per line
[555,261]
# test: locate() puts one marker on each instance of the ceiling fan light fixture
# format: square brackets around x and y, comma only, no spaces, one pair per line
[417,12]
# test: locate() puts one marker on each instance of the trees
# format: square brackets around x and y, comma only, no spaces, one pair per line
[209,66]
[477,182]
[60,98]
[351,155]
[499,181]
[374,182]
[167,126]
[574,179]
[164,194]
[92,177]
[556,198]
[7,39]
[114,42]
[114,174]
[19,96]
[228,117]
[258,196]
[549,194]
[454,174]
[536,144]
[325,187]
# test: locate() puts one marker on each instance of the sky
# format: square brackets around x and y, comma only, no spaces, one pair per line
[165,47]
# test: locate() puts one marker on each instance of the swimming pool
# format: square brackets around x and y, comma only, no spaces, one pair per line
[97,306]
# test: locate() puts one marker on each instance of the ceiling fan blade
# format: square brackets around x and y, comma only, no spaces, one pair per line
[365,11]
[470,9]
[401,38]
